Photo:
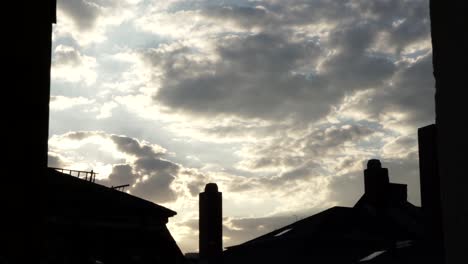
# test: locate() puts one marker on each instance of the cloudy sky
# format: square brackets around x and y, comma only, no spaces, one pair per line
[281,103]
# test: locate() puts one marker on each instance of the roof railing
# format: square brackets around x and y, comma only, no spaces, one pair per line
[120,187]
[85,175]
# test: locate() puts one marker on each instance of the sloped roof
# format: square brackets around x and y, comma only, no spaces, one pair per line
[339,233]
[70,195]
[404,252]
[334,223]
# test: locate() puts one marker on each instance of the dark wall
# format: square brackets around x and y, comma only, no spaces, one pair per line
[25,59]
[430,189]
[449,41]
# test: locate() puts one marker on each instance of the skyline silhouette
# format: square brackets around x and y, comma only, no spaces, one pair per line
[262,100]
[313,147]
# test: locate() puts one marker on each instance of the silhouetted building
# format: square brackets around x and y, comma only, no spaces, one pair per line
[383,227]
[449,42]
[192,257]
[430,189]
[91,223]
[26,43]
[376,183]
[211,224]
[379,193]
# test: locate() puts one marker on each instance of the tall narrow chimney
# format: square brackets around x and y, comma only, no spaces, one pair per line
[210,225]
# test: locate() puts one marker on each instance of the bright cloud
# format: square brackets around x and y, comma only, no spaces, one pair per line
[69,65]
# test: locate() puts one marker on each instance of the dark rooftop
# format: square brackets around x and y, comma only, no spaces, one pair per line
[90,197]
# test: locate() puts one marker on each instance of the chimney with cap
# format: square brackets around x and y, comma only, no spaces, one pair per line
[210,225]
[379,191]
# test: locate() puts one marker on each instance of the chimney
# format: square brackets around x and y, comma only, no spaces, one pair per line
[376,182]
[210,225]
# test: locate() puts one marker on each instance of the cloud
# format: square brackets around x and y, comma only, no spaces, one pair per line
[63,102]
[106,110]
[346,190]
[54,160]
[406,170]
[84,13]
[121,174]
[144,166]
[282,73]
[306,153]
[253,78]
[157,186]
[412,92]
[69,65]
[134,147]
[87,21]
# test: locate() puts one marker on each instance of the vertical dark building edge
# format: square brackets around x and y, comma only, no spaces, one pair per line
[430,189]
[26,59]
[449,43]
